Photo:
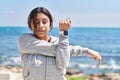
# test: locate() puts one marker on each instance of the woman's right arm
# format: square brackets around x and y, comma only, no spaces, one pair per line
[78,50]
[28,44]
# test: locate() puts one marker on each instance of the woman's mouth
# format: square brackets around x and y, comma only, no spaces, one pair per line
[40,30]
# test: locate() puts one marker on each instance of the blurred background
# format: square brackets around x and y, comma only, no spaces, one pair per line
[95,25]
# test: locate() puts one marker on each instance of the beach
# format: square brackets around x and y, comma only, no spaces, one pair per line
[15,73]
[10,73]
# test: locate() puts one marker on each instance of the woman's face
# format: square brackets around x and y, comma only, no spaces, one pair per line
[41,25]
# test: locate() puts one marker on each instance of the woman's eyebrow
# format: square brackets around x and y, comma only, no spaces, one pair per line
[44,19]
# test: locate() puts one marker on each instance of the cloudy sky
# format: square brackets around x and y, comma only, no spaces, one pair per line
[83,13]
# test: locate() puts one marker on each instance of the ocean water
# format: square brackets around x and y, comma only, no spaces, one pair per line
[104,40]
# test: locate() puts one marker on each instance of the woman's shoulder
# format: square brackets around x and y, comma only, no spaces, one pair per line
[25,36]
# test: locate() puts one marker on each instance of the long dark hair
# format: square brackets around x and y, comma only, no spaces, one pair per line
[40,10]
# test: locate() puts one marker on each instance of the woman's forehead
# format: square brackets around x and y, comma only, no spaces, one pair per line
[41,16]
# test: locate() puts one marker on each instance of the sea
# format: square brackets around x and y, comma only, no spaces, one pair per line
[104,40]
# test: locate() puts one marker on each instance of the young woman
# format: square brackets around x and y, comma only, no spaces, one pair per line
[45,57]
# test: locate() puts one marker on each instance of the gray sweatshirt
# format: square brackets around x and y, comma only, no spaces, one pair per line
[43,60]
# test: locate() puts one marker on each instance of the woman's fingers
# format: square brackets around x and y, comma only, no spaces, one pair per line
[67,20]
[98,59]
[96,56]
[64,24]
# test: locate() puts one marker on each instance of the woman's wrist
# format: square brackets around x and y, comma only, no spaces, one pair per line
[64,32]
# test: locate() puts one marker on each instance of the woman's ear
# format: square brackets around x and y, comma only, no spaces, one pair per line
[32,25]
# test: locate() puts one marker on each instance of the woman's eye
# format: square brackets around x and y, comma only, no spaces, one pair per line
[44,22]
[37,23]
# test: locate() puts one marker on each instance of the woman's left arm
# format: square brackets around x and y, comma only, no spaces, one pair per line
[63,54]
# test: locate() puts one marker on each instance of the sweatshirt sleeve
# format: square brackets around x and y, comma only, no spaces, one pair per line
[27,44]
[63,53]
[78,50]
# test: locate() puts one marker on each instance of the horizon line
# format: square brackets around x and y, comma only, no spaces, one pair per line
[73,26]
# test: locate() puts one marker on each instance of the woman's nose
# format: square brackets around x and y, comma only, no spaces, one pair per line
[41,24]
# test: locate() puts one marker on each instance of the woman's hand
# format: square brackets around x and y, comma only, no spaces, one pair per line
[64,24]
[95,55]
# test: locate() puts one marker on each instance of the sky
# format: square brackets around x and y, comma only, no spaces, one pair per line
[83,13]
